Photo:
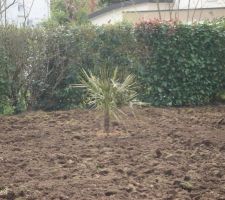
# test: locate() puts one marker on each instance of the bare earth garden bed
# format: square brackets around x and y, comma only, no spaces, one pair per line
[167,154]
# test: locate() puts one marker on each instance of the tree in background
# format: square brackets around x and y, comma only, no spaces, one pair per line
[4,6]
[92,5]
[107,2]
[70,11]
[26,11]
[75,11]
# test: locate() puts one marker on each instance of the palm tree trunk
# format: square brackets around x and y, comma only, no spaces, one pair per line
[106,121]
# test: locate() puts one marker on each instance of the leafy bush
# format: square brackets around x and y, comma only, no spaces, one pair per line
[175,64]
[68,50]
[184,64]
[20,55]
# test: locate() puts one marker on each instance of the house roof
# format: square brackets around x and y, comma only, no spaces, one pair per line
[115,6]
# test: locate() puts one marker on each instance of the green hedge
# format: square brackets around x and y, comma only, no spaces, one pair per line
[66,51]
[69,50]
[183,64]
[175,64]
[17,61]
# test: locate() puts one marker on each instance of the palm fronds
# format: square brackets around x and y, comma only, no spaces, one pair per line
[108,93]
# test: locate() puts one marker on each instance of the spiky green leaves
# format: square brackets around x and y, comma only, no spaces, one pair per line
[108,93]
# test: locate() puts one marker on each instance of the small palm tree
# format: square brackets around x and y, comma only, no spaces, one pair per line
[107,93]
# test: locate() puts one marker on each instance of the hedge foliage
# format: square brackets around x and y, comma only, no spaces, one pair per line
[175,64]
[184,64]
[48,61]
[69,50]
[18,60]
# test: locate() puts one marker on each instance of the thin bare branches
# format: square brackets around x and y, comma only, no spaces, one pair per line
[158,7]
[4,7]
[26,13]
[196,7]
[188,11]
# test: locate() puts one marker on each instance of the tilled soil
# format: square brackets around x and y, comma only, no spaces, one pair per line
[168,154]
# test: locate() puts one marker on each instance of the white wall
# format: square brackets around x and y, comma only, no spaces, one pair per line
[200,3]
[40,10]
[117,14]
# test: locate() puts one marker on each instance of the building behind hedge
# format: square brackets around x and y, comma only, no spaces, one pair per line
[187,11]
[20,13]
